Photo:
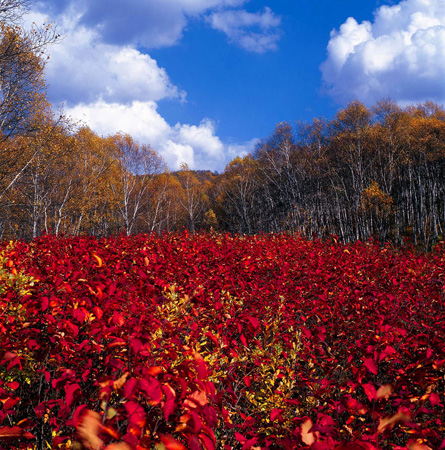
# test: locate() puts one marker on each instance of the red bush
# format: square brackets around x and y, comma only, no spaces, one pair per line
[213,341]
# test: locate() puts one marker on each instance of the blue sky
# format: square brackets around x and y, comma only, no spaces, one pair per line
[203,80]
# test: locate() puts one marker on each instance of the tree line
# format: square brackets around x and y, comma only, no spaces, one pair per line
[370,171]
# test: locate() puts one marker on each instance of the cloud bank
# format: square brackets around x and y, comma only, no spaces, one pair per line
[197,145]
[83,69]
[144,23]
[102,71]
[400,54]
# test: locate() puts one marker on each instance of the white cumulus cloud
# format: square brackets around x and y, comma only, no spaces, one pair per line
[140,119]
[202,138]
[255,32]
[196,145]
[148,23]
[83,69]
[400,54]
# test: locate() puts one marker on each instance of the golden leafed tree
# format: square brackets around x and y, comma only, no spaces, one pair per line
[22,86]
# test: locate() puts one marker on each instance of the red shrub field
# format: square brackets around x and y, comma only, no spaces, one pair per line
[219,342]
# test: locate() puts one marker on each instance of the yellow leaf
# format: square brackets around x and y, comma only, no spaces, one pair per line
[99,260]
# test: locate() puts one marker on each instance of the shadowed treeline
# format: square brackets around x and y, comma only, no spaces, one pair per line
[368,172]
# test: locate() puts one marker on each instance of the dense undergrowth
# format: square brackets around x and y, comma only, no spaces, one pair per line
[213,341]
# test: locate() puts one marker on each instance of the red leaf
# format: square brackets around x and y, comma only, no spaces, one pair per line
[171,443]
[40,409]
[79,315]
[11,433]
[117,342]
[98,312]
[129,387]
[275,413]
[10,403]
[248,445]
[45,303]
[194,443]
[210,416]
[69,393]
[136,345]
[355,405]
[370,391]
[74,329]
[202,370]
[194,422]
[387,351]
[169,405]
[118,319]
[370,365]
[13,385]
[197,398]
[253,321]
[136,414]
[155,370]
[212,338]
[240,438]
[434,399]
[152,388]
